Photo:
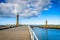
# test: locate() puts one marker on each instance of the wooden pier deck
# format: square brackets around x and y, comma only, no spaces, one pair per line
[17,33]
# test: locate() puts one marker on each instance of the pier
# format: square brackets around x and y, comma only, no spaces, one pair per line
[18,33]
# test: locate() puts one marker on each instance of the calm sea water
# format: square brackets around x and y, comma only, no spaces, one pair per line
[52,34]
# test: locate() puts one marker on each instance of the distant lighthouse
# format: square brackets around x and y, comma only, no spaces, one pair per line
[17,20]
[46,23]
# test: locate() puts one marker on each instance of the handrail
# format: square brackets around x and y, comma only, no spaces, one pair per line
[33,35]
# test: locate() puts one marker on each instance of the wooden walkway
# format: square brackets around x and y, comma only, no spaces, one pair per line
[18,33]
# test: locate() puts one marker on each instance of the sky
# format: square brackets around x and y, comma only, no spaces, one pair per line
[30,12]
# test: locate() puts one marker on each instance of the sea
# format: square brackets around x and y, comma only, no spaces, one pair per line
[47,34]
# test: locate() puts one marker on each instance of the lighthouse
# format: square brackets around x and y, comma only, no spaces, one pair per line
[17,20]
[46,23]
[17,14]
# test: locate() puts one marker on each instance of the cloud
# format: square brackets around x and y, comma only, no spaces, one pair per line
[25,8]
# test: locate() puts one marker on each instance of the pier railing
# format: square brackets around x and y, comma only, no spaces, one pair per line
[32,34]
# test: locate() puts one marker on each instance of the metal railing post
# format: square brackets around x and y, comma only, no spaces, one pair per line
[33,35]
